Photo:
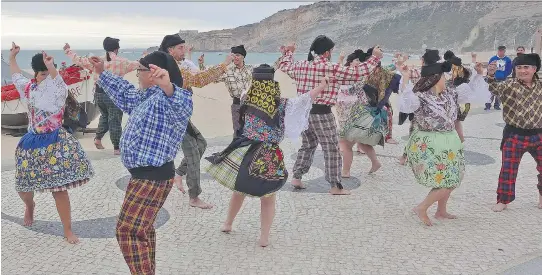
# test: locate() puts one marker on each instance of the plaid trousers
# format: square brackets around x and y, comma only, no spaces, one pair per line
[193,148]
[322,130]
[110,118]
[513,149]
[390,122]
[135,227]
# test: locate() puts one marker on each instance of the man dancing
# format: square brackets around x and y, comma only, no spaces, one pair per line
[194,143]
[522,112]
[322,126]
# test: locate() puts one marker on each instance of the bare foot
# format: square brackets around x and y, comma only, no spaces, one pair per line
[498,207]
[116,152]
[402,160]
[226,228]
[540,202]
[196,202]
[361,152]
[337,191]
[297,184]
[178,181]
[445,215]
[423,216]
[29,215]
[264,241]
[392,141]
[98,144]
[71,238]
[345,175]
[375,167]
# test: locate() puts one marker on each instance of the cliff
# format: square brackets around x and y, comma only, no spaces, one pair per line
[405,26]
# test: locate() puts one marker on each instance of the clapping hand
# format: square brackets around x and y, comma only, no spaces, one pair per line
[48,60]
[15,49]
[66,47]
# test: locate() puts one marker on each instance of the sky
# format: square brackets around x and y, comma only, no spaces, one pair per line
[84,25]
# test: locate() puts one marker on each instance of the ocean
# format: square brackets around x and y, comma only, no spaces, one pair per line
[211,58]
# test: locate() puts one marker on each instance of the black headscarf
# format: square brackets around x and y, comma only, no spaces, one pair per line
[359,54]
[460,74]
[37,63]
[164,61]
[320,45]
[240,50]
[110,45]
[170,40]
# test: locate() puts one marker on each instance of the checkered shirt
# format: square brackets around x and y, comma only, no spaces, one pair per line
[237,80]
[308,74]
[522,106]
[156,125]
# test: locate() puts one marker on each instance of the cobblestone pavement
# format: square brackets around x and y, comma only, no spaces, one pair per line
[373,231]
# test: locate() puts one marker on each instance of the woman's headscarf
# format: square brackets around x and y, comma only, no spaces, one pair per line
[431,71]
[357,54]
[262,98]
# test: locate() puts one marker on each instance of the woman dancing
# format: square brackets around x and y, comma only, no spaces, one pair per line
[367,122]
[253,164]
[49,159]
[434,150]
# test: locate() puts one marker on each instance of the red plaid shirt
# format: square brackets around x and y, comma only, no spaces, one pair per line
[308,74]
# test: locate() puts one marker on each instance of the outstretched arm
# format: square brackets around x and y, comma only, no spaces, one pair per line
[78,60]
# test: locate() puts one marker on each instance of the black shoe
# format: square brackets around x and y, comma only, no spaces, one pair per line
[497,108]
[488,107]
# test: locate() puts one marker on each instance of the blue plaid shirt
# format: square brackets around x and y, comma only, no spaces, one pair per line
[156,125]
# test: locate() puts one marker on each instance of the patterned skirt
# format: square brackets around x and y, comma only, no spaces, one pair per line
[51,162]
[436,158]
[365,127]
[254,169]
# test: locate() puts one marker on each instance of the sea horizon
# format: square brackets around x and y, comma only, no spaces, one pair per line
[211,57]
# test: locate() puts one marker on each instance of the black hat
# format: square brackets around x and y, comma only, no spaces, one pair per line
[370,51]
[532,59]
[37,63]
[501,48]
[436,68]
[359,54]
[430,57]
[164,61]
[450,56]
[171,40]
[239,49]
[320,45]
[111,44]
[263,72]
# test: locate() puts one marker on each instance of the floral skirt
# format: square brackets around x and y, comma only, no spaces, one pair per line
[256,170]
[436,158]
[51,162]
[365,127]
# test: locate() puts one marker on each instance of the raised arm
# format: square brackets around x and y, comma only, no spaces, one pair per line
[49,63]
[352,74]
[496,88]
[17,77]
[78,60]
[203,78]
[286,62]
[121,66]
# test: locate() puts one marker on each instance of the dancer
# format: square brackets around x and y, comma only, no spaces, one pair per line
[469,79]
[367,122]
[435,152]
[159,115]
[49,159]
[237,79]
[193,144]
[322,126]
[253,164]
[504,69]
[111,116]
[522,104]
[345,102]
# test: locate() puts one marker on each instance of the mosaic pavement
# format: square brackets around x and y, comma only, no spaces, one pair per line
[370,232]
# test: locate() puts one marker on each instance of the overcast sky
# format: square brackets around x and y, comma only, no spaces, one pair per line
[136,24]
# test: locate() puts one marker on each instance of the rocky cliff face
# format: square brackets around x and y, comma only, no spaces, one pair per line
[405,26]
